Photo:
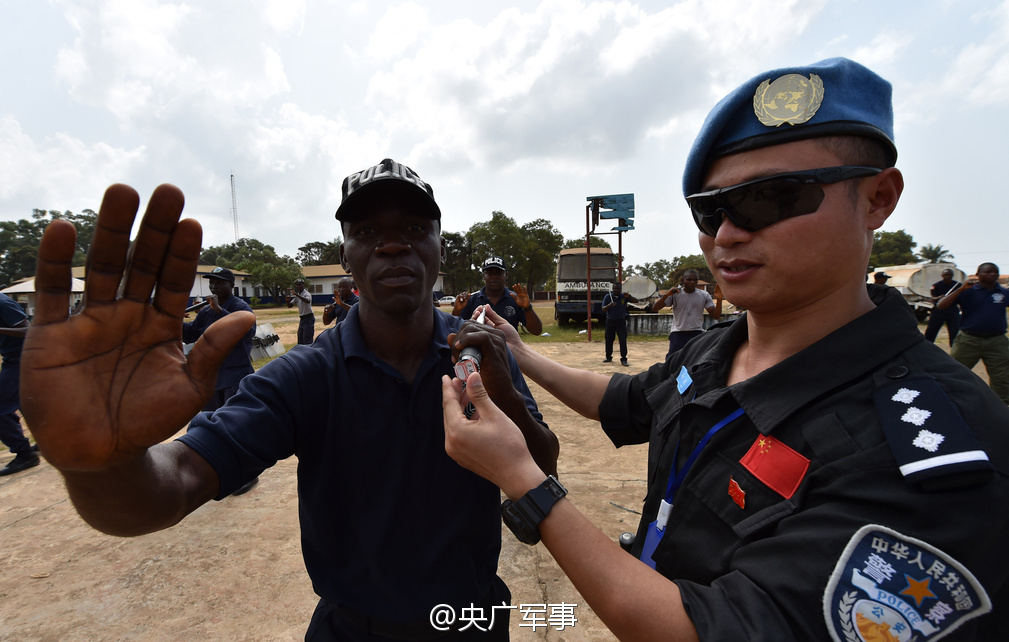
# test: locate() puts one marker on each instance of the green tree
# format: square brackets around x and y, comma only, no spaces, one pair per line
[594,241]
[232,255]
[320,253]
[666,274]
[276,277]
[529,250]
[892,248]
[265,269]
[19,241]
[658,271]
[934,253]
[538,262]
[462,275]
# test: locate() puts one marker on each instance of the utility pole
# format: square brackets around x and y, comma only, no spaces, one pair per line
[234,206]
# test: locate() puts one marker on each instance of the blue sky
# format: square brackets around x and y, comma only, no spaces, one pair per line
[524,107]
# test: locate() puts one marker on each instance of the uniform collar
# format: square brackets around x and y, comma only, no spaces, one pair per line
[774,395]
[354,346]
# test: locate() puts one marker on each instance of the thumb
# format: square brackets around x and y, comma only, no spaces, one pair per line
[480,398]
[216,343]
[493,317]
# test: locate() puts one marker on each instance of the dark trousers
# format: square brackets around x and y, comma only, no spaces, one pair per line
[10,400]
[616,328]
[306,329]
[949,316]
[333,623]
[679,339]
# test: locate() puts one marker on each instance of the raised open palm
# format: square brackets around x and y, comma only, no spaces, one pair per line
[100,387]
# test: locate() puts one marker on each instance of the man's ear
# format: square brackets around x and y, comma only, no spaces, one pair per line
[884,190]
[343,260]
[444,250]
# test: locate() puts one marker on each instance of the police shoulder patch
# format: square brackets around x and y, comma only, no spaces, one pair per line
[926,433]
[888,586]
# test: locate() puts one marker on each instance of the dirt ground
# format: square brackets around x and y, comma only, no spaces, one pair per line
[233,570]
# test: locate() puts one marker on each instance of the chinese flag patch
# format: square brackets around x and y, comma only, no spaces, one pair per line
[775,464]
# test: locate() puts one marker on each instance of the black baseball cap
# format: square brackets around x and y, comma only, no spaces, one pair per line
[223,274]
[494,262]
[387,178]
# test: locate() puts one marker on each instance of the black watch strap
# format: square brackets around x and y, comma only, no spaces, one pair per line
[524,516]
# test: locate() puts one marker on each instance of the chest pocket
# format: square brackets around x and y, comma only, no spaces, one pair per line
[666,402]
[708,521]
[741,501]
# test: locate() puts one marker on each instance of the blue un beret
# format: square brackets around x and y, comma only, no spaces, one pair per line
[832,97]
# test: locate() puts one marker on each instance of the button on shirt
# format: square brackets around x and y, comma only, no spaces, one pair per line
[758,571]
[391,526]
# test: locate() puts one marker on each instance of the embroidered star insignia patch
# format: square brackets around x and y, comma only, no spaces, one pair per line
[888,583]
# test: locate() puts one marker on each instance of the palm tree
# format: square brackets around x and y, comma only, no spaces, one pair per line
[934,253]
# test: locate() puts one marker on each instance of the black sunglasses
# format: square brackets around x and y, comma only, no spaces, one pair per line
[756,204]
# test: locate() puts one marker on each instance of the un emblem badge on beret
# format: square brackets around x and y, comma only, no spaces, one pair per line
[792,99]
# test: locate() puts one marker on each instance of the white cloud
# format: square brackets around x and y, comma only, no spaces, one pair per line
[73,173]
[397,30]
[570,83]
[284,15]
[883,49]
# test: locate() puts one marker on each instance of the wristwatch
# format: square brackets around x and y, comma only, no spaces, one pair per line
[524,516]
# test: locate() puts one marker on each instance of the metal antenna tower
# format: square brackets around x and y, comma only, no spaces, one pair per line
[234,206]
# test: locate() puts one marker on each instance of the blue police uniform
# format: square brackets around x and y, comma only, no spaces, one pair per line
[616,325]
[341,314]
[11,434]
[900,451]
[859,488]
[391,526]
[937,318]
[506,307]
[237,364]
[984,310]
[983,334]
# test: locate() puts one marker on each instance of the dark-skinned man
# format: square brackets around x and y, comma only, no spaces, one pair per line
[372,473]
[14,325]
[513,305]
[982,335]
[689,305]
[343,299]
[222,302]
[300,296]
[817,470]
[615,308]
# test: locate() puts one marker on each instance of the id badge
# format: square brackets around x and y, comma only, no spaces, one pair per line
[655,531]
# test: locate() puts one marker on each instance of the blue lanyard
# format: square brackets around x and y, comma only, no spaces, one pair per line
[676,480]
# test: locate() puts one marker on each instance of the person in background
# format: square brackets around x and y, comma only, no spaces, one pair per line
[982,335]
[878,290]
[306,316]
[615,307]
[512,304]
[238,364]
[343,299]
[222,302]
[13,327]
[689,305]
[949,316]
